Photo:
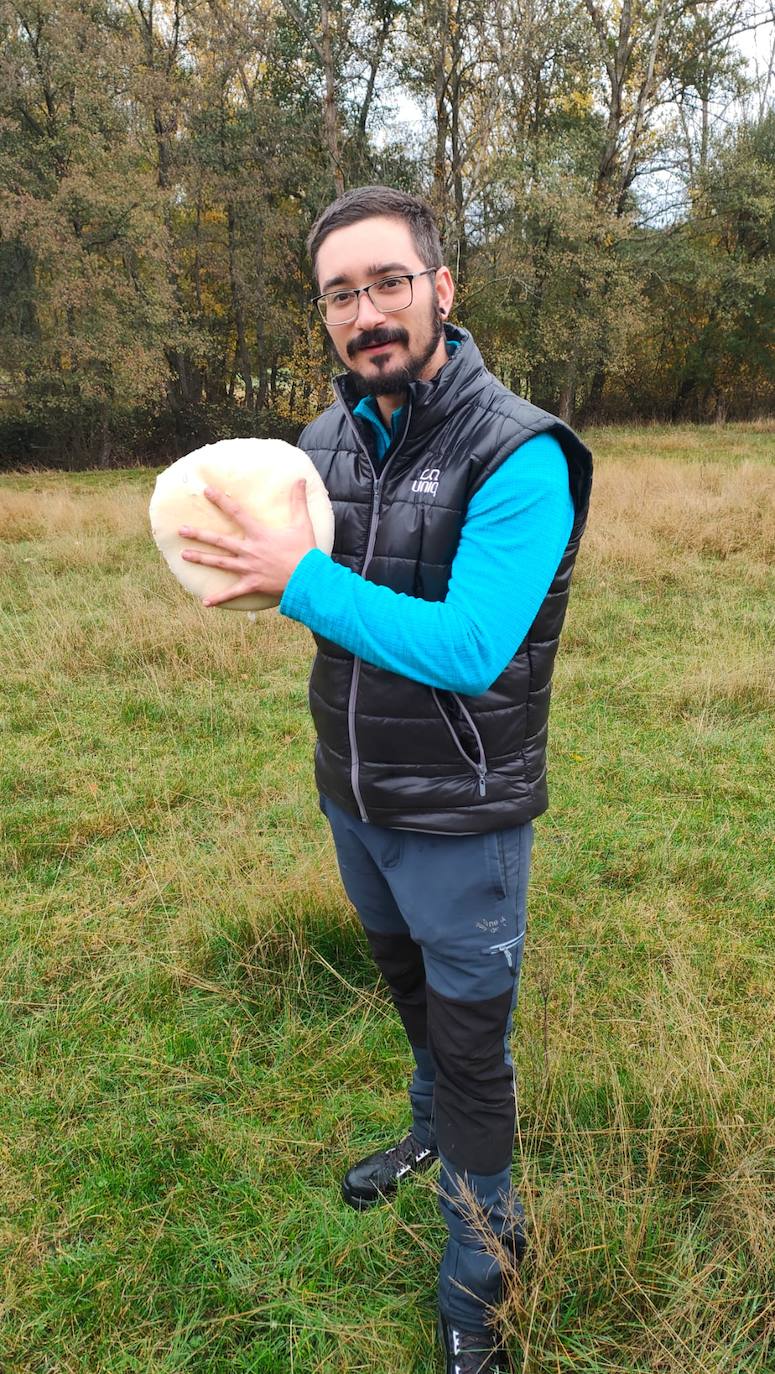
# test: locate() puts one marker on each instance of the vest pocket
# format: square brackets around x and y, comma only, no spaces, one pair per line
[479,767]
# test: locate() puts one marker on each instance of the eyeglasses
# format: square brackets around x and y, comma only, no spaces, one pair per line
[387,295]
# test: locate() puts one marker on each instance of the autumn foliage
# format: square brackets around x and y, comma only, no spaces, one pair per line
[160,164]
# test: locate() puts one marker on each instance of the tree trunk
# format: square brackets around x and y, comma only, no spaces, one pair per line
[438,39]
[263,387]
[567,405]
[105,440]
[457,186]
[329,100]
[242,354]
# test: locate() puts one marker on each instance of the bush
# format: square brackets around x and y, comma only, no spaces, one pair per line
[50,435]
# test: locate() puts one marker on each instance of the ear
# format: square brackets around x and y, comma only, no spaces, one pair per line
[445,291]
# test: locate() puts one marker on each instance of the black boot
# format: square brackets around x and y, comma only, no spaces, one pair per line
[375,1178]
[471,1352]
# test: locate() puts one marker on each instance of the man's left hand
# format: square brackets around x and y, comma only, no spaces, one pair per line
[265,556]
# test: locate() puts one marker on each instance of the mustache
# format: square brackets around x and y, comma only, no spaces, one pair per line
[376,336]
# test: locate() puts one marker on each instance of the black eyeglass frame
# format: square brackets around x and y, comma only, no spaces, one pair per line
[359,290]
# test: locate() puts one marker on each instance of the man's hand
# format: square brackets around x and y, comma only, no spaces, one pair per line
[266,557]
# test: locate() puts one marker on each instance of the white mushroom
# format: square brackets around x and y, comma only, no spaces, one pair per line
[259,475]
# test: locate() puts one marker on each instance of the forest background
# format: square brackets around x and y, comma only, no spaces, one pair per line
[604,174]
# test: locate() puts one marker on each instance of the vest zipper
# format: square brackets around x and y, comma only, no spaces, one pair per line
[482,768]
[479,768]
[371,541]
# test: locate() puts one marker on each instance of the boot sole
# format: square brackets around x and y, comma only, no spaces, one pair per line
[363,1204]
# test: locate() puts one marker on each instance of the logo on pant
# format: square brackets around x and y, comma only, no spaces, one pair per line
[486,925]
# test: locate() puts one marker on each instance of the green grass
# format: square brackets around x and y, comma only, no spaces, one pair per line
[193,1041]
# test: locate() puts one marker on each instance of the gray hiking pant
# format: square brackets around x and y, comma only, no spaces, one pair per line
[445,917]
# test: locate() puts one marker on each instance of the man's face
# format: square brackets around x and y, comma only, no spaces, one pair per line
[384,351]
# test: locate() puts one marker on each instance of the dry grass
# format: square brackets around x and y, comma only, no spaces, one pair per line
[704,1137]
[46,509]
[650,514]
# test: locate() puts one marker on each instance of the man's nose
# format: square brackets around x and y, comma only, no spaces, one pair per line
[368,313]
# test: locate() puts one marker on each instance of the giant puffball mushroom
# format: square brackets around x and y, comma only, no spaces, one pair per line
[258,474]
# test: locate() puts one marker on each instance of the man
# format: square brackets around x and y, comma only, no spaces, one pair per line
[459,509]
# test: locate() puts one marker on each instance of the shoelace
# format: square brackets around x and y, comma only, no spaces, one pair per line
[471,1349]
[407,1153]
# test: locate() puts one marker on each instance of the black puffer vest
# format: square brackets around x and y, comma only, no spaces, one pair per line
[391,750]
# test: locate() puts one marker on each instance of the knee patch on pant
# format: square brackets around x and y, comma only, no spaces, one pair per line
[400,961]
[475,1105]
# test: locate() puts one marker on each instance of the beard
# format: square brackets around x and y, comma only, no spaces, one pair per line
[392,381]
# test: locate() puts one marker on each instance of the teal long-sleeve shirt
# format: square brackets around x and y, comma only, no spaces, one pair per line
[513,537]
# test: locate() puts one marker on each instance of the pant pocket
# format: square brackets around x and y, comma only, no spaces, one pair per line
[390,855]
[495,864]
[511,951]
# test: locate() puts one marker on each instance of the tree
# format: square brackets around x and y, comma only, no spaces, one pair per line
[91,310]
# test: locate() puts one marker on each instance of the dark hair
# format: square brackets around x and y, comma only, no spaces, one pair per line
[365,202]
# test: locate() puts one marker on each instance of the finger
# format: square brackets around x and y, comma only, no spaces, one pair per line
[220,541]
[229,506]
[214,560]
[239,589]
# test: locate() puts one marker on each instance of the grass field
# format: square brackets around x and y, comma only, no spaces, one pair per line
[194,1045]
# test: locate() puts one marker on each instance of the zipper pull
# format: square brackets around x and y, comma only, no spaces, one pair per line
[482,776]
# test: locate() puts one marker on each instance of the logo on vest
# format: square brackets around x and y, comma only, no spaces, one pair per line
[427,481]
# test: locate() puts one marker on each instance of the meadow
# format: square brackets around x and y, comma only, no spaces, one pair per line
[194,1044]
